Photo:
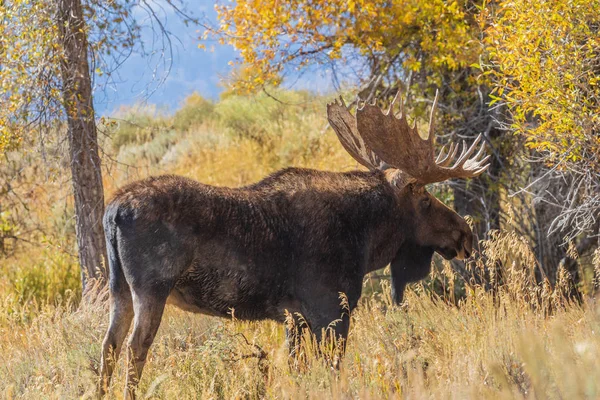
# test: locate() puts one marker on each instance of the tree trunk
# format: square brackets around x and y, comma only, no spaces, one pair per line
[86,171]
[548,249]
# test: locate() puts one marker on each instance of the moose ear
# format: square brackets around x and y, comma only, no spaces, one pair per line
[412,263]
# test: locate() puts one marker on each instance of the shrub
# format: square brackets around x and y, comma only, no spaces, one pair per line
[138,125]
[194,111]
[148,153]
[47,276]
[262,116]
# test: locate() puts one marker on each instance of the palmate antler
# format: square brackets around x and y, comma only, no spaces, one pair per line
[344,125]
[375,138]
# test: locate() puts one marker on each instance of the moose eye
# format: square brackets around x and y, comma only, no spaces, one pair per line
[426,202]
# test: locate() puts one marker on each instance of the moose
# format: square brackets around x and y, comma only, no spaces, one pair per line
[290,243]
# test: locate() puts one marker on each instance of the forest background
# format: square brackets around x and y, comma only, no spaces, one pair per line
[526,74]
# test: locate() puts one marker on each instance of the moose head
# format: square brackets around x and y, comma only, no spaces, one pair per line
[380,140]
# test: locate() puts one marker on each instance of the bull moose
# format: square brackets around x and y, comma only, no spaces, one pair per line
[293,241]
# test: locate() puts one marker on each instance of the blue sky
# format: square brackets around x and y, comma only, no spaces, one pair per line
[145,79]
[193,69]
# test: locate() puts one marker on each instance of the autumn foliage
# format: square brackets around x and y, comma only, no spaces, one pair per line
[546,58]
[518,320]
[28,65]
[273,36]
[526,73]
[543,55]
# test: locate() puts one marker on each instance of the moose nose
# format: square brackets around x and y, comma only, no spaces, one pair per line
[464,244]
[467,253]
[467,245]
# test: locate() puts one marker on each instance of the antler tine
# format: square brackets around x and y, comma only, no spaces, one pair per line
[477,168]
[439,157]
[467,167]
[473,164]
[466,153]
[444,161]
[482,169]
[344,125]
[450,158]
[479,153]
[462,153]
[358,101]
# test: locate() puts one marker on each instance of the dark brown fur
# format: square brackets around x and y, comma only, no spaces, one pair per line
[293,241]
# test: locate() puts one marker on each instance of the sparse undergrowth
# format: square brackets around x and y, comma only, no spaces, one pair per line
[521,339]
[486,346]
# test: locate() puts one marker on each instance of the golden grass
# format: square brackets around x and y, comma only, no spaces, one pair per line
[486,346]
[513,339]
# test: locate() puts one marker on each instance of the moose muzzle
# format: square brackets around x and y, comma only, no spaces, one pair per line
[465,249]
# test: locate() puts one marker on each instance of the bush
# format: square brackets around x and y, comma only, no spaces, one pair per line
[262,116]
[150,152]
[194,111]
[49,276]
[138,125]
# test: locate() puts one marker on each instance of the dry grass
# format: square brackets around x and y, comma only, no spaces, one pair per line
[456,337]
[486,345]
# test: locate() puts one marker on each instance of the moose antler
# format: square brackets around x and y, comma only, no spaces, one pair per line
[344,125]
[390,140]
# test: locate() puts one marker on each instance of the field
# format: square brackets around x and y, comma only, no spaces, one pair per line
[455,336]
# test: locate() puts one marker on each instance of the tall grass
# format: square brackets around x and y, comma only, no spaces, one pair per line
[492,329]
[489,344]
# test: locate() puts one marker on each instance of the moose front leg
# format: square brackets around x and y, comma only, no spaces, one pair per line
[328,329]
[398,287]
[412,264]
[294,330]
[332,338]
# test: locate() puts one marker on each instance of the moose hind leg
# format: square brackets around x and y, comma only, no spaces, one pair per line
[121,314]
[148,309]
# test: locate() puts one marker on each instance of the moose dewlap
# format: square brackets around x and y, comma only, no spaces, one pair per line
[291,242]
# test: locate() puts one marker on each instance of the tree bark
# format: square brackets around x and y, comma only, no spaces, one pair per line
[549,249]
[86,173]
